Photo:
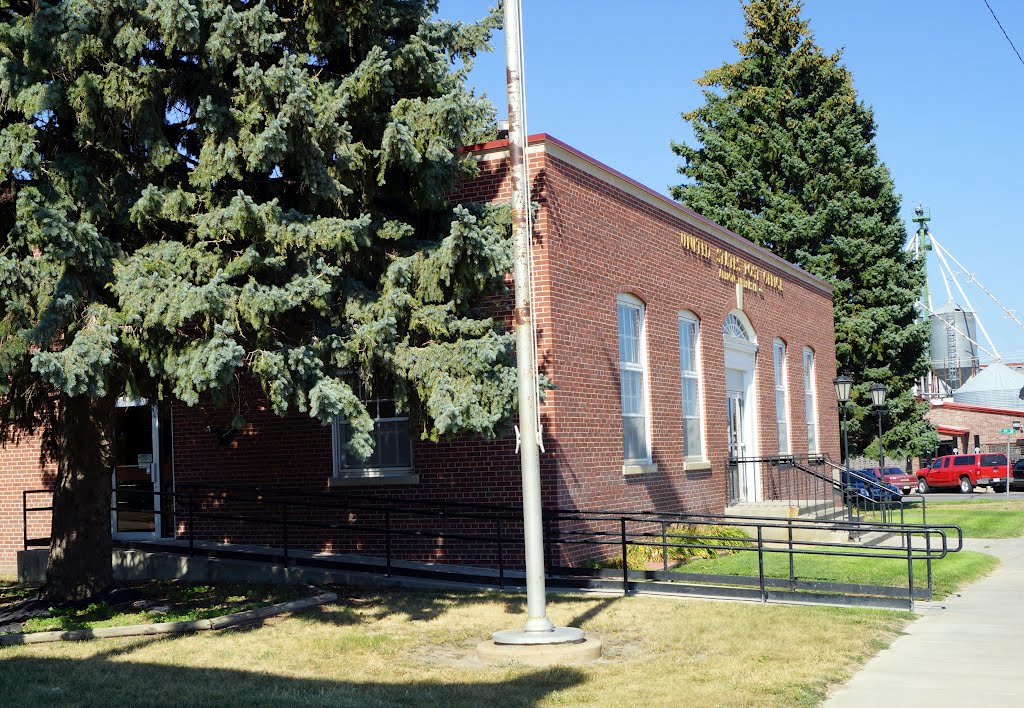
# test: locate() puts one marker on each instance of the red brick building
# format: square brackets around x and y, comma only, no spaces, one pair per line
[673,344]
[965,426]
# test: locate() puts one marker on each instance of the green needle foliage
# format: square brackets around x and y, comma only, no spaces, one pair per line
[200,194]
[787,159]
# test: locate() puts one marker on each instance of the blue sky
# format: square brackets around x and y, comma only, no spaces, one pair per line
[611,79]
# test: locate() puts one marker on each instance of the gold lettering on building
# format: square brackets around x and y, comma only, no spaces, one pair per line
[772,281]
[695,245]
[732,268]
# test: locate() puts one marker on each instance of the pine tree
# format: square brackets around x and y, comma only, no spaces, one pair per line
[787,159]
[198,193]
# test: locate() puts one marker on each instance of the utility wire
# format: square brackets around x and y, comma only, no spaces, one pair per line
[1004,32]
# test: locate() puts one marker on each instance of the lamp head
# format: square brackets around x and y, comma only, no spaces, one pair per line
[878,392]
[843,384]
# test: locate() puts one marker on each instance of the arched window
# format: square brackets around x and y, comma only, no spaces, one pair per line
[781,395]
[810,401]
[689,371]
[735,327]
[636,448]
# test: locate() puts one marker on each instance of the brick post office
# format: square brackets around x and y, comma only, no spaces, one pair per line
[673,345]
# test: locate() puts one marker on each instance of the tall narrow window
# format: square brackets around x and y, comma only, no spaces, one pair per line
[781,397]
[810,401]
[689,370]
[633,381]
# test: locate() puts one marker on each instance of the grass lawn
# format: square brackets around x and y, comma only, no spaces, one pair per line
[978,518]
[414,648]
[948,574]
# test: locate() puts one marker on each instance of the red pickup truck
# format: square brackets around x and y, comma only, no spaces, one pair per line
[964,471]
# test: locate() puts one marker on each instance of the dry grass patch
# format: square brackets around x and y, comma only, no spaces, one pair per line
[407,648]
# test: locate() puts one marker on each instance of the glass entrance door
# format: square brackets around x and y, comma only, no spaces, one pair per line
[744,473]
[737,445]
[735,404]
[136,471]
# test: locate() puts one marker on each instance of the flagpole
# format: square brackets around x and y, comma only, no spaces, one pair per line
[538,628]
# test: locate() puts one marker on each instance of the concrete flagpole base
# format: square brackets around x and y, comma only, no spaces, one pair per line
[524,637]
[561,645]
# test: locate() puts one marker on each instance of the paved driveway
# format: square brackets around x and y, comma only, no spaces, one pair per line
[964,651]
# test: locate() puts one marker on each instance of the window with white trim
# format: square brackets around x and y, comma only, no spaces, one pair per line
[392,447]
[781,395]
[689,372]
[810,401]
[636,448]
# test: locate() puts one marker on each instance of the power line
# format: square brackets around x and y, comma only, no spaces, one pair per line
[1004,32]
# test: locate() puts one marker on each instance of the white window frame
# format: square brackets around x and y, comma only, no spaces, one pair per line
[635,464]
[364,474]
[810,402]
[687,318]
[782,428]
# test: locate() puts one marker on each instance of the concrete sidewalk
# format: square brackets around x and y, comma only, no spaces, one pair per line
[967,650]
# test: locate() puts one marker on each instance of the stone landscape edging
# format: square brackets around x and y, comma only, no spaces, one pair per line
[135,630]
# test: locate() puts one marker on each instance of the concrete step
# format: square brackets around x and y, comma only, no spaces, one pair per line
[800,510]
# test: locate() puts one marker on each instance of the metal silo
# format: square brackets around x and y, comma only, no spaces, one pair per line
[954,356]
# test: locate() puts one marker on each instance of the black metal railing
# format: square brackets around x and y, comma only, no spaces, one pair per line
[281,515]
[820,488]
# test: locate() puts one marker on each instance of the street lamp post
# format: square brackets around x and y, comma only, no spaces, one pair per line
[878,392]
[844,384]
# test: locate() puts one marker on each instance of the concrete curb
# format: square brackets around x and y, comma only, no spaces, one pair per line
[136,630]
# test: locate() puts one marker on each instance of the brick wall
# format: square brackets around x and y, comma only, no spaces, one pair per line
[20,469]
[602,238]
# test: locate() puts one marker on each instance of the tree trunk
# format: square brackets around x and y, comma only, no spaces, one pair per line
[80,543]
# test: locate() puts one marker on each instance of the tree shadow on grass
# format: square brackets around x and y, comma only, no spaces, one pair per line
[37,681]
[415,605]
[422,605]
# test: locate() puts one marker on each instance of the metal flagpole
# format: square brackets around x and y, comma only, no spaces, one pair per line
[538,628]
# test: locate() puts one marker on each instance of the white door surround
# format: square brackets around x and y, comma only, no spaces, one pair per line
[741,402]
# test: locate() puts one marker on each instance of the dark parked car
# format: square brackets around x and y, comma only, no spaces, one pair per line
[1018,474]
[869,485]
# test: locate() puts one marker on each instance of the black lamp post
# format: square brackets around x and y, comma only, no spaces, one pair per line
[844,384]
[878,392]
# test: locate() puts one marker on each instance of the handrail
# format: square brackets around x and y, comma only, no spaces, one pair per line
[858,498]
[601,527]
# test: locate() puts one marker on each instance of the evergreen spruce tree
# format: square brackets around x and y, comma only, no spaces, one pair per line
[787,159]
[202,193]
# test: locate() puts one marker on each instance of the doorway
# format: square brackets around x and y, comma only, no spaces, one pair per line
[142,471]
[741,413]
[739,435]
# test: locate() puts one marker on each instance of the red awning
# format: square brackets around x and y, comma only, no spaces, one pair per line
[947,430]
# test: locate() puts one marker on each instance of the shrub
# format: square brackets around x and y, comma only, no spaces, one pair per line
[720,538]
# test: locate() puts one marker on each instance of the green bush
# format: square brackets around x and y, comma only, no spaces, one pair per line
[720,538]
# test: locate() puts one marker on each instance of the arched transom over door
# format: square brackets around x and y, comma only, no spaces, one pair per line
[740,347]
